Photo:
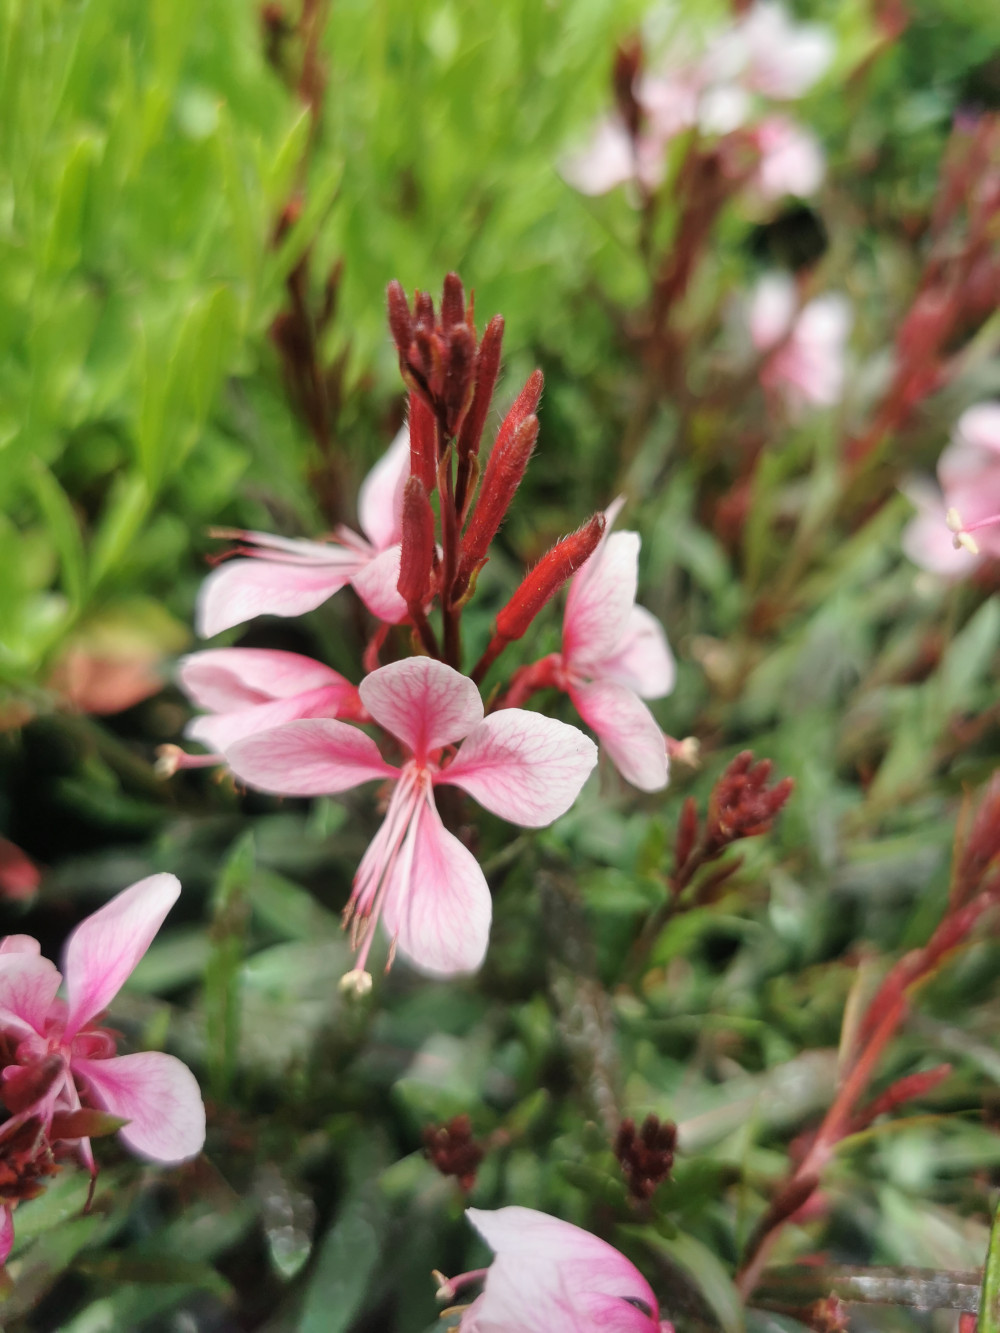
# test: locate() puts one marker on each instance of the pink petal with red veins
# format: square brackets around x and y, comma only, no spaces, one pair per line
[218,732]
[380,499]
[103,950]
[28,985]
[157,1094]
[550,1275]
[600,598]
[375,583]
[424,703]
[239,590]
[440,911]
[628,732]
[6,1232]
[522,766]
[642,661]
[20,944]
[223,679]
[313,757]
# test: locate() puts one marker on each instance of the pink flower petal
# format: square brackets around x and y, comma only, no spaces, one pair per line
[239,590]
[601,595]
[223,679]
[642,660]
[217,732]
[772,310]
[375,583]
[522,766]
[606,162]
[628,732]
[28,985]
[157,1094]
[314,757]
[6,1232]
[103,950]
[380,499]
[550,1275]
[20,944]
[980,426]
[439,907]
[423,703]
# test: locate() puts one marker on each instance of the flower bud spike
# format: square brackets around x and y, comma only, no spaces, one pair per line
[487,370]
[423,307]
[423,442]
[417,553]
[459,379]
[453,302]
[544,581]
[400,322]
[504,471]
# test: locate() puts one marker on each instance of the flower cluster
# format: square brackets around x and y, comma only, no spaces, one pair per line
[646,1155]
[802,346]
[62,1082]
[721,92]
[286,724]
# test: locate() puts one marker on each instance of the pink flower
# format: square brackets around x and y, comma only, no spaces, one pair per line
[283,577]
[969,497]
[807,361]
[550,1276]
[426,885]
[770,55]
[254,689]
[61,1053]
[791,160]
[609,160]
[614,655]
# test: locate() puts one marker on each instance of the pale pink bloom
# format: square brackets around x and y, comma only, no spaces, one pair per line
[153,1091]
[614,655]
[807,366]
[426,885]
[245,690]
[771,55]
[548,1276]
[279,576]
[969,476]
[609,160]
[791,160]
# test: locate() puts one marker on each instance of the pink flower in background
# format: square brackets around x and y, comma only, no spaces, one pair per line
[791,160]
[767,53]
[253,689]
[425,885]
[614,655]
[282,577]
[548,1276]
[64,1061]
[807,362]
[969,476]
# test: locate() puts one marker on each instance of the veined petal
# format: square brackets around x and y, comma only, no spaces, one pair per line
[28,985]
[642,661]
[157,1094]
[218,731]
[103,950]
[6,1233]
[380,499]
[523,766]
[313,757]
[438,906]
[239,590]
[223,679]
[628,732]
[375,583]
[423,703]
[601,595]
[20,944]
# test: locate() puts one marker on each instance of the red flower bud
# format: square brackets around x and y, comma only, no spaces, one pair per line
[547,577]
[487,370]
[452,301]
[423,442]
[417,555]
[504,471]
[459,377]
[423,309]
[400,323]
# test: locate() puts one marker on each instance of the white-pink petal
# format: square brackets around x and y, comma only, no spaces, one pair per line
[601,595]
[241,589]
[6,1232]
[980,427]
[642,661]
[103,950]
[438,906]
[523,766]
[218,731]
[157,1094]
[423,703]
[20,944]
[627,730]
[28,985]
[380,499]
[312,757]
[375,581]
[223,679]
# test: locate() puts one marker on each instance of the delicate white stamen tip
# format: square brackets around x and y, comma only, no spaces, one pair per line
[687,751]
[445,1291]
[965,540]
[168,760]
[954,520]
[356,982]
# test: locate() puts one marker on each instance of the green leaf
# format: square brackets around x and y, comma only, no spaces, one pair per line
[989,1309]
[348,1256]
[228,938]
[64,531]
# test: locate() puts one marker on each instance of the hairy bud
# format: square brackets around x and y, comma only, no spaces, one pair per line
[547,577]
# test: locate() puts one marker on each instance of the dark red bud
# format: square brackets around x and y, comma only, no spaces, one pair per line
[400,323]
[487,370]
[687,832]
[417,553]
[459,375]
[25,1085]
[504,471]
[453,302]
[547,577]
[423,442]
[423,309]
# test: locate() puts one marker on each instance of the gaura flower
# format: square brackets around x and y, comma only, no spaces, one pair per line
[767,53]
[958,525]
[425,885]
[791,160]
[279,576]
[806,361]
[548,1275]
[614,655]
[63,1060]
[246,690]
